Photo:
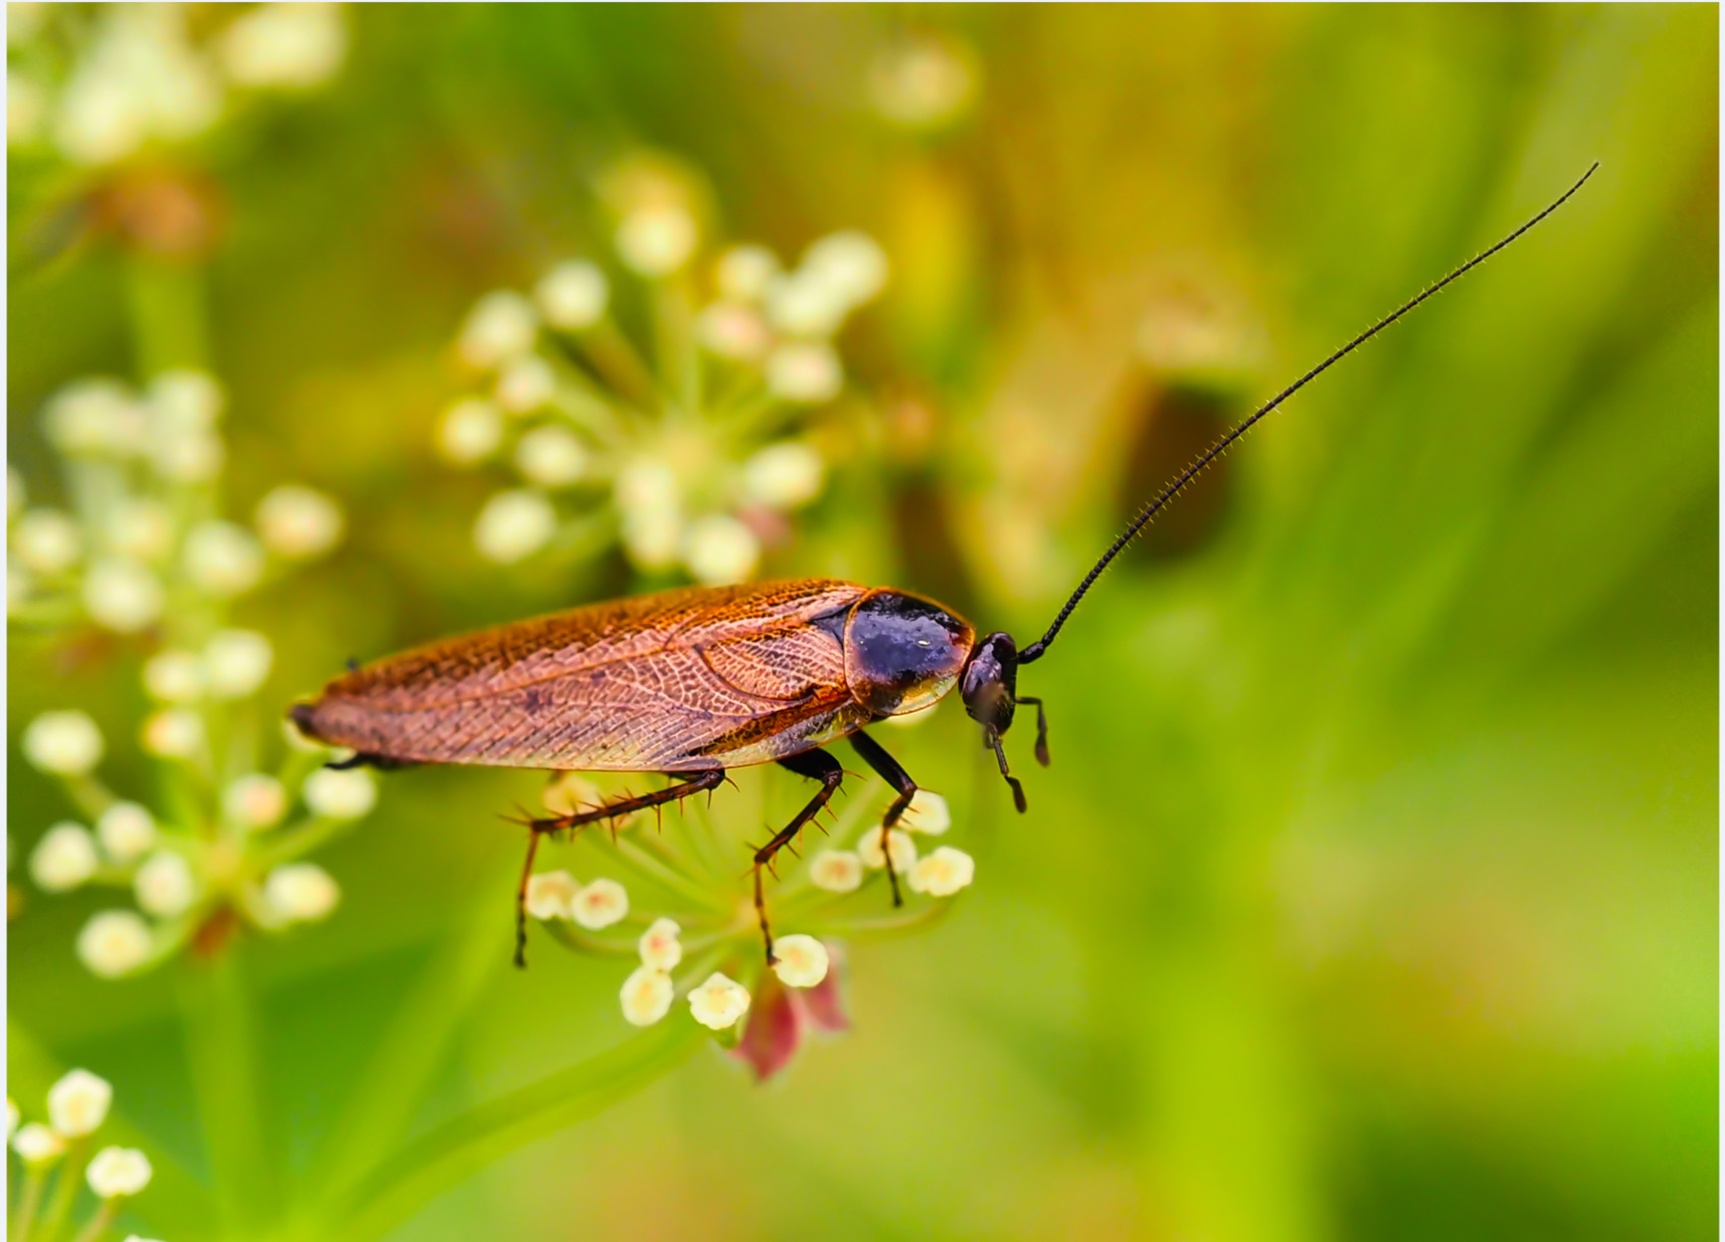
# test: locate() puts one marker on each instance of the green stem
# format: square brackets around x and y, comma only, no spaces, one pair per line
[169,323]
[221,1047]
[299,841]
[29,1199]
[459,1149]
[70,1177]
[98,1224]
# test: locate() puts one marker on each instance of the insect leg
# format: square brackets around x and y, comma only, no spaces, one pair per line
[691,783]
[1041,727]
[874,754]
[816,765]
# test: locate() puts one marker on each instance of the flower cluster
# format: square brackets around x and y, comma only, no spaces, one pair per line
[231,845]
[700,939]
[139,536]
[693,459]
[56,1152]
[140,550]
[97,86]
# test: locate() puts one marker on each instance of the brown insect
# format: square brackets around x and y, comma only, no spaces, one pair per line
[693,682]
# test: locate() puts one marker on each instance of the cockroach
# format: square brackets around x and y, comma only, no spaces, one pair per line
[693,682]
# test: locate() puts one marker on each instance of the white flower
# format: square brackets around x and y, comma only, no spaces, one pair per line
[471,430]
[501,326]
[551,457]
[660,948]
[113,943]
[899,842]
[174,677]
[118,1171]
[571,792]
[745,272]
[286,45]
[719,550]
[525,385]
[186,400]
[139,79]
[47,541]
[141,529]
[189,457]
[126,831]
[732,331]
[237,662]
[298,522]
[37,1144]
[803,305]
[927,813]
[647,995]
[837,871]
[340,793]
[64,858]
[719,1002]
[657,240]
[66,743]
[256,800]
[648,496]
[78,1103]
[572,295]
[799,961]
[122,595]
[301,892]
[599,904]
[173,733]
[223,558]
[850,263]
[922,83]
[164,885]
[513,525]
[549,894]
[784,476]
[94,416]
[804,371]
[943,872]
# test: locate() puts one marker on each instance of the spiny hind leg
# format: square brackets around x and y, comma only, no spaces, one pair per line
[874,754]
[816,765]
[690,783]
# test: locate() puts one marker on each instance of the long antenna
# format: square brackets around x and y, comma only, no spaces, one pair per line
[1034,650]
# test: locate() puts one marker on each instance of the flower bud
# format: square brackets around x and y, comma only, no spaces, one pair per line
[599,904]
[471,430]
[237,663]
[807,372]
[301,892]
[837,871]
[549,894]
[784,476]
[164,885]
[660,948]
[223,558]
[186,400]
[36,1144]
[174,733]
[298,523]
[63,859]
[255,801]
[340,794]
[78,1103]
[720,550]
[942,873]
[117,1172]
[800,961]
[572,295]
[122,595]
[646,996]
[513,525]
[66,743]
[903,849]
[526,385]
[126,831]
[291,46]
[851,264]
[551,457]
[745,273]
[141,530]
[927,813]
[718,1003]
[47,542]
[657,240]
[174,677]
[113,943]
[501,326]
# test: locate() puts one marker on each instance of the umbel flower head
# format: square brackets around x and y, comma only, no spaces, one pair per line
[58,1151]
[675,897]
[691,453]
[141,553]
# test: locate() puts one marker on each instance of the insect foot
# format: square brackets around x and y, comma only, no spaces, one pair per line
[689,903]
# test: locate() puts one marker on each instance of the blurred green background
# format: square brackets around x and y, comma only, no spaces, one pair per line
[1373,890]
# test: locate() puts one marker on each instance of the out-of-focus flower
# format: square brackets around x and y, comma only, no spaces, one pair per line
[174,677]
[36,1144]
[549,894]
[64,858]
[837,871]
[514,525]
[185,400]
[47,541]
[65,742]
[927,814]
[78,1103]
[923,82]
[237,663]
[647,995]
[299,523]
[599,423]
[126,830]
[174,733]
[223,558]
[285,45]
[898,841]
[802,961]
[141,529]
[301,892]
[255,800]
[164,885]
[571,792]
[114,943]
[599,904]
[122,595]
[340,794]
[719,1002]
[942,873]
[117,1172]
[659,946]
[572,296]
